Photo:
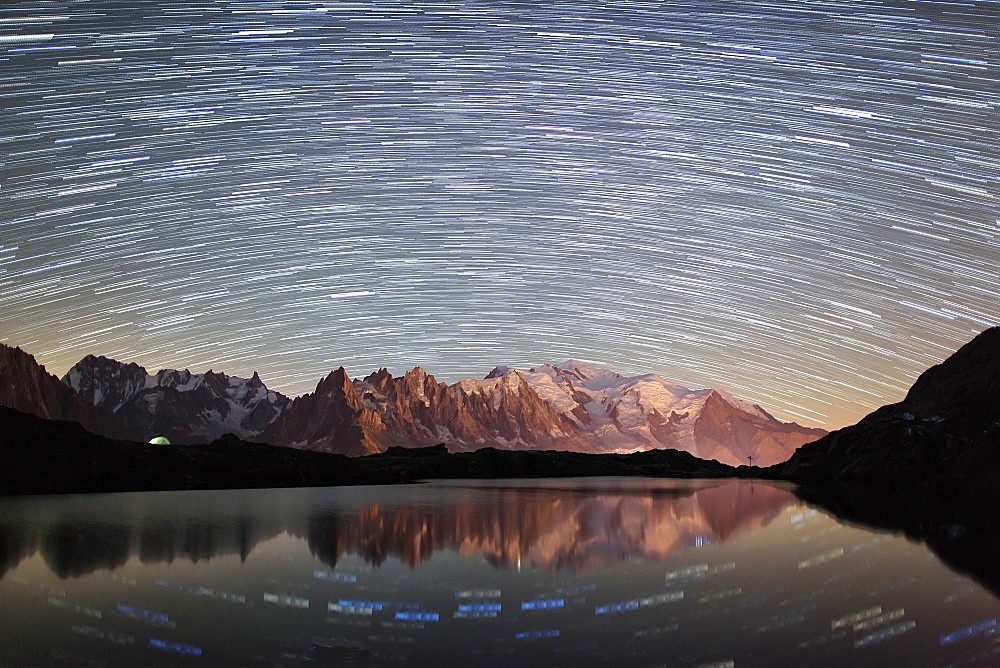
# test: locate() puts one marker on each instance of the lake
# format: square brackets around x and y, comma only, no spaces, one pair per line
[523,572]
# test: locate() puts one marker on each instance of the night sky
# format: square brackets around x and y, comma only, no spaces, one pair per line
[796,202]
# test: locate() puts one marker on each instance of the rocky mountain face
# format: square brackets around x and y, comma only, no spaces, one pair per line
[501,411]
[331,419]
[574,406]
[947,428]
[184,407]
[623,414]
[26,386]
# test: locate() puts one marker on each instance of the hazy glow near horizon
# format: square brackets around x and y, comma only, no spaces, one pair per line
[792,201]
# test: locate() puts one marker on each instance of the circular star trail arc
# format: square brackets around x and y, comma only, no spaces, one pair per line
[793,201]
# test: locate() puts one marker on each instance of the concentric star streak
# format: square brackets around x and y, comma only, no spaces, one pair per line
[793,201]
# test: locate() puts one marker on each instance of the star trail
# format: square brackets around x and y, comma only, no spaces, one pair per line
[793,201]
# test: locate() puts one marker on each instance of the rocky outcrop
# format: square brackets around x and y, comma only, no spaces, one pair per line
[26,386]
[946,430]
[331,419]
[183,407]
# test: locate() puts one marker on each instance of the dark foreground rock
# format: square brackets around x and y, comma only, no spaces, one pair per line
[945,432]
[49,457]
[406,464]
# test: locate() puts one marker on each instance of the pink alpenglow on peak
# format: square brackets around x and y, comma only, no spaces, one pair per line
[574,406]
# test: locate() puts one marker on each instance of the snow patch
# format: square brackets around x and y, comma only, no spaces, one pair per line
[744,406]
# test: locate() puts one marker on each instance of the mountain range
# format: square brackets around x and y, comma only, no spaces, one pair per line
[573,406]
[178,405]
[944,437]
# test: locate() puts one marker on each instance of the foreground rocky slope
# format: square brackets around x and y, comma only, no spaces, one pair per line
[946,430]
[183,407]
[26,386]
[52,457]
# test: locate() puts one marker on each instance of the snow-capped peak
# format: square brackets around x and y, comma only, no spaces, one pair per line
[584,369]
[582,374]
[617,413]
[744,406]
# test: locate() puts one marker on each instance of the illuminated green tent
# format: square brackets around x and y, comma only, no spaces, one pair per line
[159,440]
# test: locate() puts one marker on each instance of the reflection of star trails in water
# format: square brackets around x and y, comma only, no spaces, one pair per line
[734,195]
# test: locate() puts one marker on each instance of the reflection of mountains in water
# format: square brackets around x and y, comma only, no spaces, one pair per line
[545,528]
[81,534]
[549,529]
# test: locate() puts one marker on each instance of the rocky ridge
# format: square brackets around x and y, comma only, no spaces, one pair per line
[331,419]
[183,407]
[26,386]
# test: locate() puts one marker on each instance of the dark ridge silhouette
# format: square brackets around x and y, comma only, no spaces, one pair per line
[925,466]
[945,432]
[53,457]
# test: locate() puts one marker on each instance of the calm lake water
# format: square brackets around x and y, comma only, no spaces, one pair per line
[564,572]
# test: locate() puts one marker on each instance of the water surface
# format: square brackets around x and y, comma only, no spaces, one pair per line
[570,571]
